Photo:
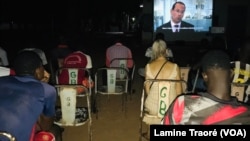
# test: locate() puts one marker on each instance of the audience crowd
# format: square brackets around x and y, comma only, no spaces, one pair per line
[33,70]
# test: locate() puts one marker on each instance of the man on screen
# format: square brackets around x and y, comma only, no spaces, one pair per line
[176,25]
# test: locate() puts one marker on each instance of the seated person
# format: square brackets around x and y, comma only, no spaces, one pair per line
[77,59]
[241,68]
[5,71]
[26,93]
[159,68]
[43,57]
[169,52]
[216,105]
[118,50]
[57,54]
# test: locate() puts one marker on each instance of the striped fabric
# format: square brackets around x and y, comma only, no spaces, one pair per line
[206,109]
[118,51]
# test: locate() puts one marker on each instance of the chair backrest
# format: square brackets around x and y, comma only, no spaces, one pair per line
[74,76]
[69,113]
[238,90]
[162,87]
[68,104]
[107,81]
[123,63]
[7,135]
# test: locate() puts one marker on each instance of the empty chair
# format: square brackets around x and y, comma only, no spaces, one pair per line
[73,109]
[107,82]
[165,91]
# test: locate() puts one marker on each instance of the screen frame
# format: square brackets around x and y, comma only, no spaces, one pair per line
[199,32]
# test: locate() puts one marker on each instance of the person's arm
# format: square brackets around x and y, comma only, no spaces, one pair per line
[47,117]
[130,62]
[147,85]
[46,77]
[107,59]
[44,123]
[174,113]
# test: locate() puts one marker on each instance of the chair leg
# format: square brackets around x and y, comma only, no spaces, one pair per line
[96,105]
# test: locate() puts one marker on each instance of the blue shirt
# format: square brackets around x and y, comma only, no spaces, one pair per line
[22,101]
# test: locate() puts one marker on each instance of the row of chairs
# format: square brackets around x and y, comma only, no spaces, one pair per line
[72,111]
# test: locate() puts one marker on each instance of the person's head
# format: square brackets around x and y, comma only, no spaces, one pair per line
[28,63]
[216,70]
[158,49]
[177,11]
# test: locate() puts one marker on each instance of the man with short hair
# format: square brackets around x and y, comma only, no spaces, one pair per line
[215,106]
[176,24]
[26,99]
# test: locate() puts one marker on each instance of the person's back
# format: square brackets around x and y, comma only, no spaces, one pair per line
[118,50]
[208,110]
[26,98]
[215,106]
[62,49]
[169,71]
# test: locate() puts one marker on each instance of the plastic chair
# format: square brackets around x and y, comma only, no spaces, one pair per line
[7,136]
[107,82]
[123,62]
[71,111]
[164,86]
[238,90]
